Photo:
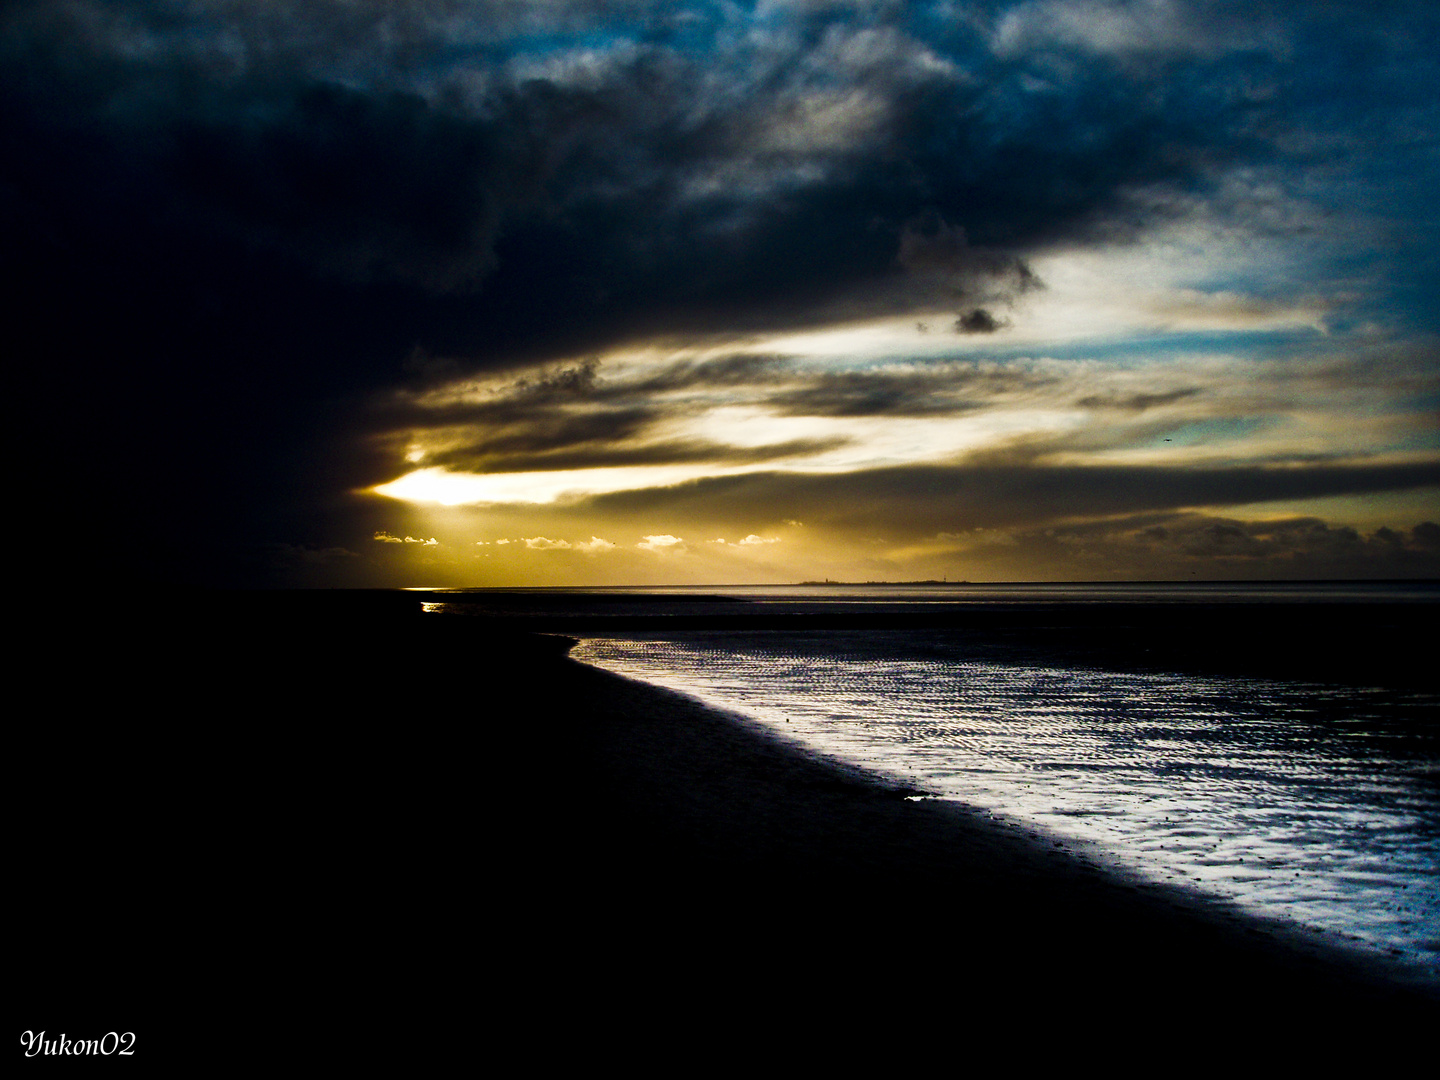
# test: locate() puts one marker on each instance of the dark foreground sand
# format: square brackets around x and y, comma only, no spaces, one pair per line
[417,842]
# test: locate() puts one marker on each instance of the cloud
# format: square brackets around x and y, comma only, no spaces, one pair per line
[1116,27]
[732,369]
[595,545]
[1174,546]
[1426,536]
[941,255]
[801,414]
[1139,402]
[584,192]
[926,389]
[979,321]
[593,454]
[271,249]
[1284,547]
[385,537]
[752,540]
[570,417]
[662,542]
[922,500]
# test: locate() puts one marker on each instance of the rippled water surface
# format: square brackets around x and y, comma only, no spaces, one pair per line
[1312,803]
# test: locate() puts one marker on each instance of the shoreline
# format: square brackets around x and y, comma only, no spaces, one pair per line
[1393,928]
[765,812]
[353,819]
[1336,641]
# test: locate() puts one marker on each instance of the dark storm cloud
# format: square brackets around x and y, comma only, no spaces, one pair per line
[642,181]
[233,221]
[611,169]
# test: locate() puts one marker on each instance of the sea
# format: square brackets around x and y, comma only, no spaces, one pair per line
[1276,746]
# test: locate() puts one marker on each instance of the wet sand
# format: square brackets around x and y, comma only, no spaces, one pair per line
[378,829]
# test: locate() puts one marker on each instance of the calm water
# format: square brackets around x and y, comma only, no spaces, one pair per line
[1313,803]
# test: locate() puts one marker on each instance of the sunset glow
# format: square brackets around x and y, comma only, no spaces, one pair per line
[1048,291]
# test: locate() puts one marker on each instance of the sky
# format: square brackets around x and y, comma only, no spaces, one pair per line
[443,293]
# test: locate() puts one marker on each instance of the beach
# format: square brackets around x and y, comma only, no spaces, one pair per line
[830,880]
[351,819]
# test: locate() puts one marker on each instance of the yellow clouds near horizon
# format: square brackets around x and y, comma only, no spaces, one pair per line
[1034,469]
[1117,420]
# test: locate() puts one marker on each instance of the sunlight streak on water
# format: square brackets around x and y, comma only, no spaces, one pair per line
[1310,803]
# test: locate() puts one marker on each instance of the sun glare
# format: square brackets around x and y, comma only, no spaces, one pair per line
[439,486]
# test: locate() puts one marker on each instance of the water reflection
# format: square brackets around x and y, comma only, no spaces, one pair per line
[1307,802]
